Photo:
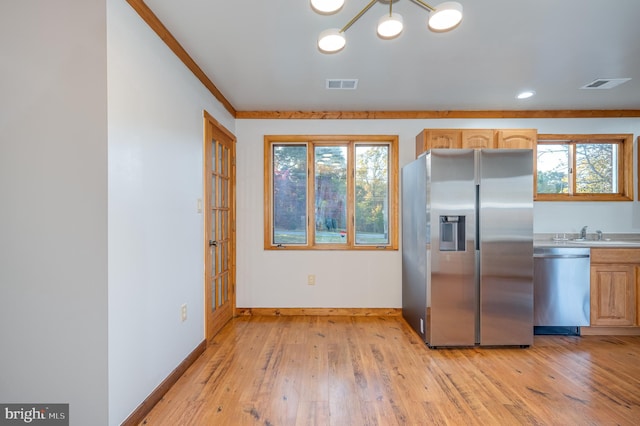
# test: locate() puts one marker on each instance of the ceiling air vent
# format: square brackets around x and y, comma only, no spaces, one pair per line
[605,83]
[342,83]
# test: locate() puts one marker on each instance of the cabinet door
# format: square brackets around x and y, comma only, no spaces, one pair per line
[613,295]
[517,138]
[637,295]
[437,138]
[478,138]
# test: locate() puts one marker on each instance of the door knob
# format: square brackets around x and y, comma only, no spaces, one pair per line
[213,243]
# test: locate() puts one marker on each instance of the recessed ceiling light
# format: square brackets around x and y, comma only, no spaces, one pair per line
[526,94]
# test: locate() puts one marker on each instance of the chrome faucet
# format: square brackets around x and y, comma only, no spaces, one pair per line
[599,237]
[583,232]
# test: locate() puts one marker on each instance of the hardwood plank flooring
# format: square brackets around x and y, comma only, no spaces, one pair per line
[357,371]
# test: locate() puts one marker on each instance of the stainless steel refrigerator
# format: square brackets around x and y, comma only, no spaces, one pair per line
[467,247]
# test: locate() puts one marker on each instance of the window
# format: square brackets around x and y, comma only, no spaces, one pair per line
[584,168]
[331,192]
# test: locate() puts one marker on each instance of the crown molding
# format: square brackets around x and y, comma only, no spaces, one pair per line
[156,25]
[409,115]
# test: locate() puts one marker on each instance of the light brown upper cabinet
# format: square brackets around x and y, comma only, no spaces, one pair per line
[475,138]
[438,138]
[517,138]
[478,138]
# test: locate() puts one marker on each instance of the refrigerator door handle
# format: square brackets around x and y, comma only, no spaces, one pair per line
[477,243]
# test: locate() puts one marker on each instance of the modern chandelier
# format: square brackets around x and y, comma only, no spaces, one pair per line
[443,17]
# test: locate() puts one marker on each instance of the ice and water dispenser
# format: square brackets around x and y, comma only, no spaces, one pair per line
[452,233]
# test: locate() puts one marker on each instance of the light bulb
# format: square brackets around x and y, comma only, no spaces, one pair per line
[331,40]
[446,16]
[390,26]
[327,6]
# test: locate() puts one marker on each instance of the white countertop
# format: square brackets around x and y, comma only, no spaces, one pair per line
[572,240]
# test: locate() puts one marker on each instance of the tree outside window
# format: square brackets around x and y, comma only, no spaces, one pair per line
[584,167]
[331,192]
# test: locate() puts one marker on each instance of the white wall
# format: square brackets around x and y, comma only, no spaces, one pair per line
[373,279]
[155,231]
[53,205]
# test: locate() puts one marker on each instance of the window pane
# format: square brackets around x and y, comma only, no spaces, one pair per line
[331,194]
[553,169]
[372,194]
[289,194]
[596,168]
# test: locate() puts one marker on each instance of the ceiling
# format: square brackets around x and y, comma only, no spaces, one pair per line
[262,55]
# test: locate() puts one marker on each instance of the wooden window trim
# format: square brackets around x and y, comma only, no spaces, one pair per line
[311,141]
[625,167]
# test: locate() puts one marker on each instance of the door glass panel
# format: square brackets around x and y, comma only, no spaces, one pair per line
[213,155]
[225,224]
[225,192]
[225,256]
[220,167]
[218,291]
[224,170]
[289,194]
[217,255]
[212,236]
[331,194]
[214,260]
[214,305]
[220,226]
[372,194]
[225,288]
[214,191]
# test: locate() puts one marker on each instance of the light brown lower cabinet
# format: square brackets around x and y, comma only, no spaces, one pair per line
[615,277]
[613,295]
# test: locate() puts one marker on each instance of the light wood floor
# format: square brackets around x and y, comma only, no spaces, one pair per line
[360,371]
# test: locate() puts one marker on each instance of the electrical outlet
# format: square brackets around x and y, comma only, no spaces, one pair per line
[183,312]
[311,279]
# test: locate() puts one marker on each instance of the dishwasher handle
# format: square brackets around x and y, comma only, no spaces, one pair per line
[561,256]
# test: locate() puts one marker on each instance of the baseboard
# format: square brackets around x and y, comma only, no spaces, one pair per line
[610,331]
[158,393]
[353,312]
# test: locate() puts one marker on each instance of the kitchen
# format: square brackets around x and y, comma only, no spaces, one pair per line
[128,318]
[464,264]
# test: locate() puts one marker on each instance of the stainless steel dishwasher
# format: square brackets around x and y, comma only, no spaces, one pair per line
[561,289]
